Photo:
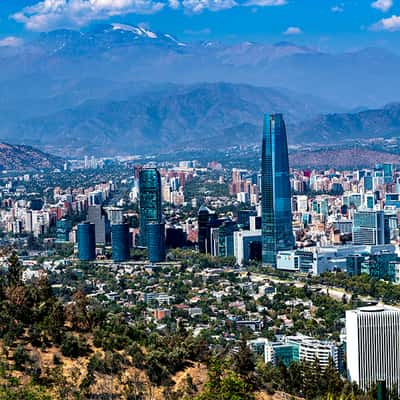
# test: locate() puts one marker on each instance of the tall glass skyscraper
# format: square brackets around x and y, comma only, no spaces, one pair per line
[149,201]
[120,242]
[277,232]
[86,242]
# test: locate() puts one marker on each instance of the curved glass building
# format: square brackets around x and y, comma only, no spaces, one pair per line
[277,232]
[149,201]
[86,241]
[120,242]
[156,242]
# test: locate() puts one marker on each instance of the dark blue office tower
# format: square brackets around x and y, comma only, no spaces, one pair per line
[120,242]
[86,242]
[149,201]
[277,232]
[156,242]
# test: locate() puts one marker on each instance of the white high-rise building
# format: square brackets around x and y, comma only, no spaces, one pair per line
[373,346]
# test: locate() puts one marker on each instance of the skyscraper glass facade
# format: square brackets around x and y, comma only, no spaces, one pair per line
[277,233]
[86,242]
[156,242]
[120,242]
[149,200]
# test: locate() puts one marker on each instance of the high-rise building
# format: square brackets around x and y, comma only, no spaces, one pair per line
[156,242]
[373,346]
[206,219]
[86,242]
[115,215]
[120,241]
[222,239]
[277,232]
[98,217]
[149,201]
[63,229]
[369,228]
[388,172]
[243,218]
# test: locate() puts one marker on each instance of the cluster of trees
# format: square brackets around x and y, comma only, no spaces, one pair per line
[203,261]
[361,285]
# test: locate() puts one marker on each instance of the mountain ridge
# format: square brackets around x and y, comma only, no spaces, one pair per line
[25,158]
[170,117]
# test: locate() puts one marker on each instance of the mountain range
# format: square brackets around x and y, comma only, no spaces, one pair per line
[330,128]
[202,115]
[118,88]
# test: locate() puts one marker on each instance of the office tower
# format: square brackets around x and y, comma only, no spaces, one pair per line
[391,227]
[120,242]
[28,221]
[373,346]
[86,242]
[388,173]
[63,229]
[149,201]
[247,246]
[175,237]
[277,232]
[222,239]
[354,263]
[98,217]
[156,242]
[369,228]
[368,183]
[96,198]
[206,220]
[369,201]
[115,215]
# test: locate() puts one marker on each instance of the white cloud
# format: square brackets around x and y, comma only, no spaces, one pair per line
[265,3]
[175,4]
[197,6]
[11,41]
[390,24]
[383,5]
[50,14]
[337,9]
[293,30]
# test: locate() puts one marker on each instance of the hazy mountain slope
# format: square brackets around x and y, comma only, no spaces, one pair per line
[198,115]
[350,157]
[23,158]
[332,128]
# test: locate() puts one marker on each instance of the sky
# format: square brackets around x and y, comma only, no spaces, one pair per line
[324,24]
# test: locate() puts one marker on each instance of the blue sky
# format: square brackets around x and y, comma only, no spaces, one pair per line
[325,24]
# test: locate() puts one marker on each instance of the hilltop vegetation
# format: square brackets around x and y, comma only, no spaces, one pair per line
[83,349]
